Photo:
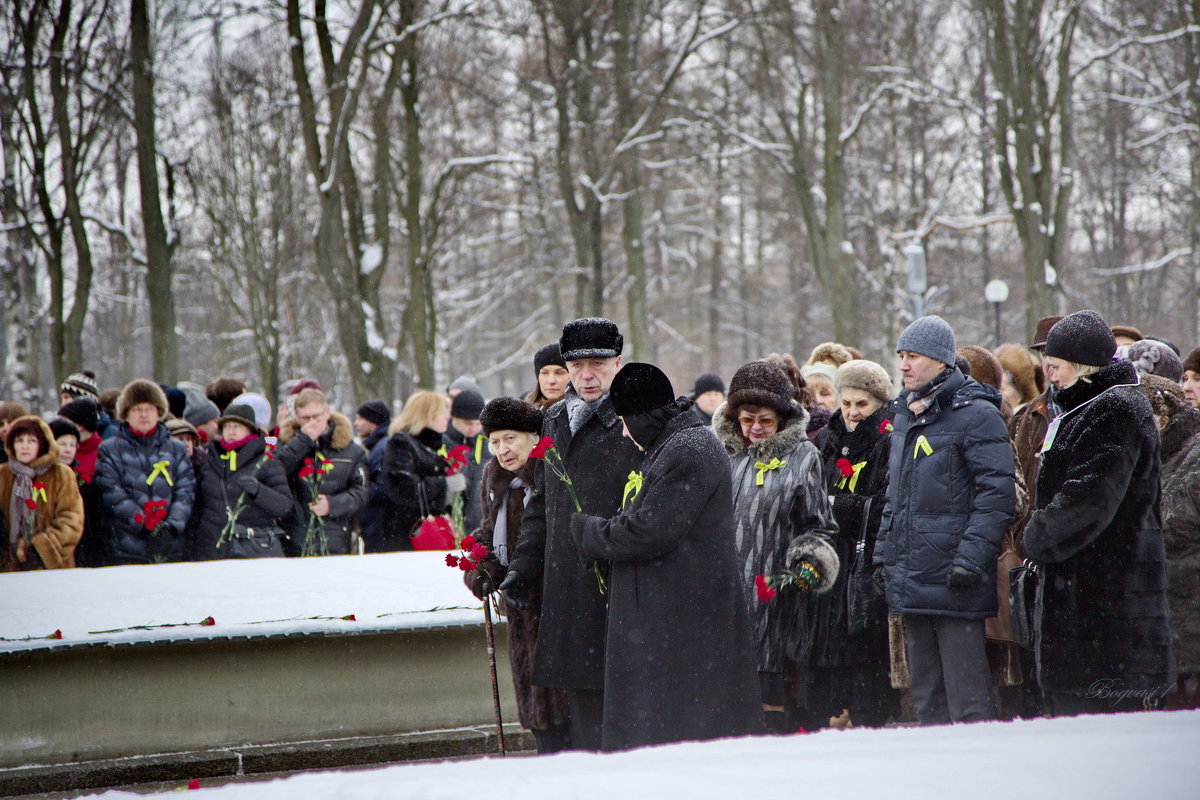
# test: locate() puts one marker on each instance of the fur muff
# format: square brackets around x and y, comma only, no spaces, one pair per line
[820,552]
[141,391]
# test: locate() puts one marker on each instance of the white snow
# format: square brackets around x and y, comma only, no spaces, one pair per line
[372,257]
[270,596]
[1049,273]
[1144,755]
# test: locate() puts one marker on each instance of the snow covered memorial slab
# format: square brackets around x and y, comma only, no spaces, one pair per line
[1145,755]
[170,657]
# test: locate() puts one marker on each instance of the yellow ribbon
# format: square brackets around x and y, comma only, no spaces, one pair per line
[922,446]
[324,464]
[231,457]
[39,492]
[161,469]
[479,449]
[764,468]
[853,477]
[634,485]
[441,451]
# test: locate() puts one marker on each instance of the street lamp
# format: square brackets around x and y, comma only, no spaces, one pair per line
[996,292]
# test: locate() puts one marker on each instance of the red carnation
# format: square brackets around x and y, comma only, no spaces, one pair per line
[845,467]
[765,593]
[466,564]
[350,618]
[885,426]
[479,552]
[208,621]
[543,445]
[194,783]
[30,504]
[451,560]
[56,635]
[467,543]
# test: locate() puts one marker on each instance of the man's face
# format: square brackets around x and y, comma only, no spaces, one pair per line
[709,401]
[591,377]
[142,417]
[917,370]
[363,427]
[467,427]
[315,413]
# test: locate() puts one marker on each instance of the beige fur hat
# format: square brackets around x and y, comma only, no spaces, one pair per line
[868,376]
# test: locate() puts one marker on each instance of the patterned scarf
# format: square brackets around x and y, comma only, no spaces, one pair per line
[922,398]
[19,518]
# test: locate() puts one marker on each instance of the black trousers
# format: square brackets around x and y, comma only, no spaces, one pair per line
[948,667]
[587,718]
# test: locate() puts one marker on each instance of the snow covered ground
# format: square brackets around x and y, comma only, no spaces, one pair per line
[1139,756]
[262,597]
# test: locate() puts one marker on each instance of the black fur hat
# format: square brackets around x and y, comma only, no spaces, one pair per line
[1082,338]
[590,337]
[639,389]
[761,383]
[510,414]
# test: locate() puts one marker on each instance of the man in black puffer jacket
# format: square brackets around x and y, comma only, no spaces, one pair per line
[950,498]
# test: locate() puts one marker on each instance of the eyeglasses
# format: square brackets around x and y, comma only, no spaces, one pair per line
[750,422]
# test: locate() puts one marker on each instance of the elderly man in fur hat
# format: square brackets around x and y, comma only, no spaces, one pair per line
[599,460]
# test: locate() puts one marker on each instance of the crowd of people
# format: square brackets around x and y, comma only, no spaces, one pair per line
[810,545]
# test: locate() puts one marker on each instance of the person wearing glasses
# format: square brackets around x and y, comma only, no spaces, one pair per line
[782,519]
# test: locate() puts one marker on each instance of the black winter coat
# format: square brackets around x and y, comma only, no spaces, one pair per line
[345,485]
[1102,601]
[478,456]
[414,477]
[1181,533]
[678,655]
[124,464]
[370,516]
[570,649]
[950,498]
[866,450]
[538,707]
[219,492]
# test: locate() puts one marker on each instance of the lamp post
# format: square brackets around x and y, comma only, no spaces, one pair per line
[996,292]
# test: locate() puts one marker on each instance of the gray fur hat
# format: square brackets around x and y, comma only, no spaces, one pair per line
[929,336]
[1151,357]
[867,376]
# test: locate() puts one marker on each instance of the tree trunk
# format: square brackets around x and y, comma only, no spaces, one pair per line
[158,246]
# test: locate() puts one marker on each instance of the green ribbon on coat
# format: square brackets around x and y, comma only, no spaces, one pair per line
[231,457]
[633,485]
[161,468]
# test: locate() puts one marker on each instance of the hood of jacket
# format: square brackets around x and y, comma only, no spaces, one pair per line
[51,454]
[340,433]
[729,433]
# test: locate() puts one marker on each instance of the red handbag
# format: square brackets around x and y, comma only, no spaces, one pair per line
[433,533]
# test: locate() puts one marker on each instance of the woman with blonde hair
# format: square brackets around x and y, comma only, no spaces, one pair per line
[413,474]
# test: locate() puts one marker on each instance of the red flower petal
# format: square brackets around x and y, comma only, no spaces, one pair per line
[194,783]
[350,618]
[56,635]
[845,467]
[451,560]
[885,426]
[467,543]
[479,552]
[30,504]
[466,564]
[208,621]
[539,450]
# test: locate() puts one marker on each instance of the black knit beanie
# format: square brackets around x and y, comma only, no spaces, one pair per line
[640,388]
[550,354]
[467,404]
[1082,338]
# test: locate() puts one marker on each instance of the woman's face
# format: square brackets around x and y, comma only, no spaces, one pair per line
[1060,373]
[67,445]
[142,417]
[757,422]
[511,448]
[823,391]
[234,432]
[552,380]
[442,421]
[26,447]
[1191,387]
[857,405]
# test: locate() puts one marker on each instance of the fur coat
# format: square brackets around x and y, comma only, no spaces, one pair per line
[57,521]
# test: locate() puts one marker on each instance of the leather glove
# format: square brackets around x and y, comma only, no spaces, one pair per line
[480,583]
[960,578]
[517,590]
[248,484]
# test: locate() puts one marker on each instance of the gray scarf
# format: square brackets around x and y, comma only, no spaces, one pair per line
[500,532]
[20,521]
[579,411]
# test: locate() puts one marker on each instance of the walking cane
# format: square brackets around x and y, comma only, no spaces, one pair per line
[491,651]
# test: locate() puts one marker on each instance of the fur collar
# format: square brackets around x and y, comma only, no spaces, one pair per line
[343,431]
[1117,373]
[784,441]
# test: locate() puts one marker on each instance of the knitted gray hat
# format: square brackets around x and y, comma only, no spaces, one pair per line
[929,336]
[199,409]
[1151,357]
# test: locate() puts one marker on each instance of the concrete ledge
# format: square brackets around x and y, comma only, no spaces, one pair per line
[258,759]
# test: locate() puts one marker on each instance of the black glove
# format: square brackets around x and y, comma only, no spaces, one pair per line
[960,578]
[480,583]
[517,590]
[879,579]
[248,484]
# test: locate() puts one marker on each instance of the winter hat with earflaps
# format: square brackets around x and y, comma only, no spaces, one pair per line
[141,391]
[81,384]
[510,414]
[590,337]
[1082,338]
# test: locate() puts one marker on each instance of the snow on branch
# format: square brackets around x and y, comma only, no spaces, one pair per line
[952,223]
[1156,38]
[1147,266]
